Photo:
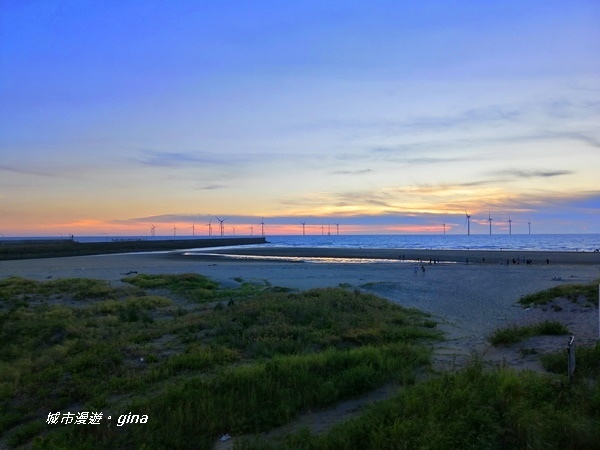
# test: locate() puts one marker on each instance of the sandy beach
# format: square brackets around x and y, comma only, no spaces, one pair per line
[470,300]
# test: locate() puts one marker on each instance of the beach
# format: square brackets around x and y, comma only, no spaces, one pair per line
[469,300]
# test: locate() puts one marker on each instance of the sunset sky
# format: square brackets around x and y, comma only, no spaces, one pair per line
[382,116]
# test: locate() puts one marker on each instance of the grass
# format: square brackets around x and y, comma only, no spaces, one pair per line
[198,359]
[469,409]
[573,292]
[587,361]
[190,286]
[513,334]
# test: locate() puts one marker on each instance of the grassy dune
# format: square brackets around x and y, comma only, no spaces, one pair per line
[199,360]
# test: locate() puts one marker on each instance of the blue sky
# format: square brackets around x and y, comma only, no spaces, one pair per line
[384,116]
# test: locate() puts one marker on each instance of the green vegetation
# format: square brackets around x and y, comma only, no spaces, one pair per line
[588,361]
[190,286]
[77,288]
[470,409]
[573,292]
[199,360]
[513,334]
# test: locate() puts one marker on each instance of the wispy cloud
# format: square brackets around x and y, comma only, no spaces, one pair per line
[212,187]
[471,131]
[519,173]
[59,172]
[178,159]
[352,172]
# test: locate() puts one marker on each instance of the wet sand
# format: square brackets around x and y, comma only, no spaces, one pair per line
[424,255]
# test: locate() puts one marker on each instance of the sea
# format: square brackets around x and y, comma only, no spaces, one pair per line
[544,242]
[541,242]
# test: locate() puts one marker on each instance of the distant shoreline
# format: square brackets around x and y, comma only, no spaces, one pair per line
[66,247]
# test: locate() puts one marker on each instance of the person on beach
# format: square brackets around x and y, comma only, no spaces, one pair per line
[423,269]
[416,269]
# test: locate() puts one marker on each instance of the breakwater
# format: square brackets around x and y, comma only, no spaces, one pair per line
[67,247]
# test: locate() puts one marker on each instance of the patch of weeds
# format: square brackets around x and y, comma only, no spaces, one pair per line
[285,323]
[513,334]
[471,408]
[587,361]
[24,433]
[430,323]
[256,359]
[279,289]
[191,286]
[527,351]
[570,291]
[79,288]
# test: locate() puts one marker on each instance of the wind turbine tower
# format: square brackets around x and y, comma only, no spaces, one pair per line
[152,230]
[303,225]
[174,231]
[444,225]
[509,225]
[490,220]
[209,227]
[529,224]
[262,226]
[221,225]
[337,226]
[468,219]
[193,229]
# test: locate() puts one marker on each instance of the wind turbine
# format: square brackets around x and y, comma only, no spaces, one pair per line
[174,231]
[193,229]
[221,224]
[509,225]
[303,225]
[529,223]
[468,219]
[209,227]
[444,225]
[328,229]
[152,230]
[490,220]
[337,225]
[322,230]
[262,226]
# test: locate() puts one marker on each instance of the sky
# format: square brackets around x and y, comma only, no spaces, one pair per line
[380,116]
